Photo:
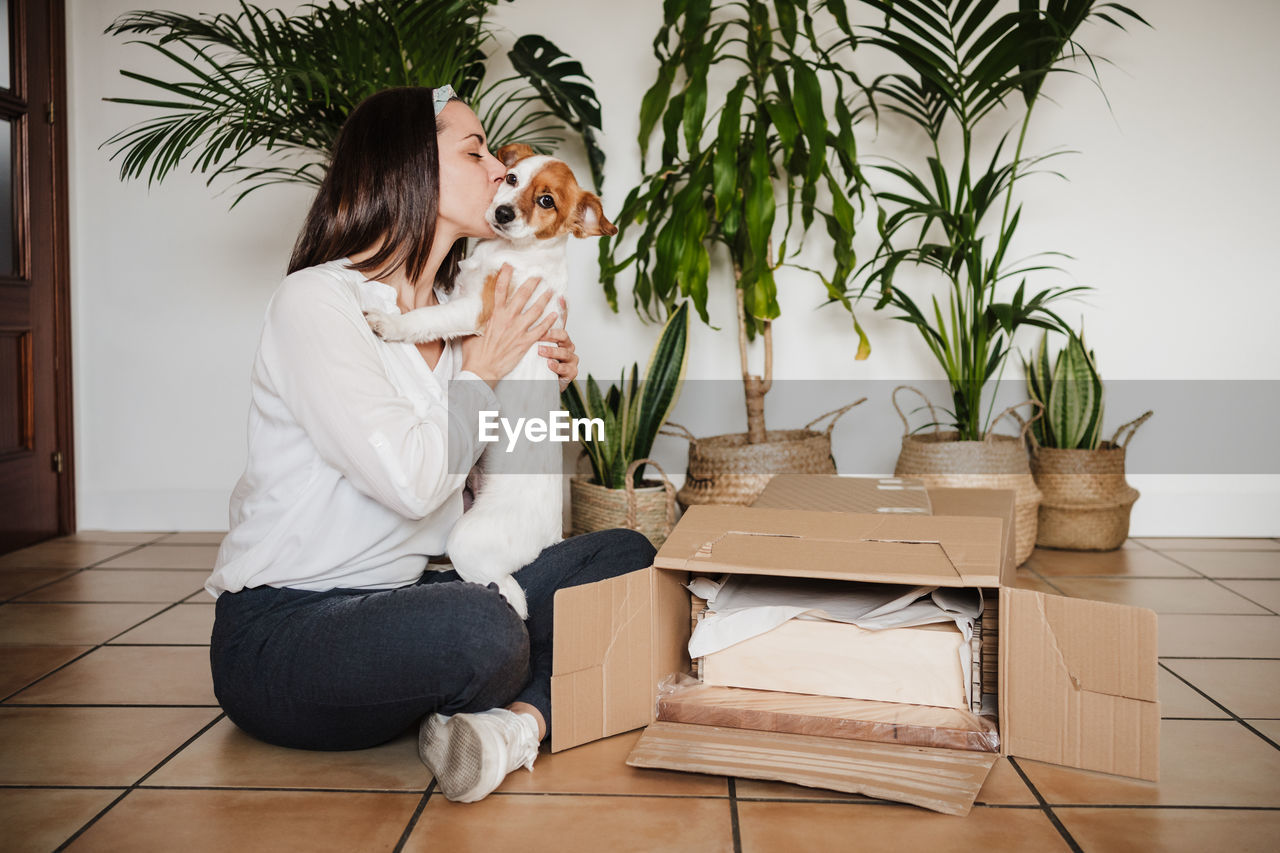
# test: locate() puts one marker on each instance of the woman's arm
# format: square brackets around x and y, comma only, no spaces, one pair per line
[322,359]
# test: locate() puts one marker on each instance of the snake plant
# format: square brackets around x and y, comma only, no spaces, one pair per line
[1071,393]
[633,411]
[260,95]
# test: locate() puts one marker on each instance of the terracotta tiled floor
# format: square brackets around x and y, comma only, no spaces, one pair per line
[110,737]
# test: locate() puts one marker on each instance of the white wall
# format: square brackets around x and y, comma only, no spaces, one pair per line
[1167,212]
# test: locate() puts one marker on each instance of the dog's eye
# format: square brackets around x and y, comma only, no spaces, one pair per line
[546,202]
[511,178]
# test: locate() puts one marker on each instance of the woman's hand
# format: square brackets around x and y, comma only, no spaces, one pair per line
[513,328]
[561,357]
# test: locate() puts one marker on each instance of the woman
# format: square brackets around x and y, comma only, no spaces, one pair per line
[328,633]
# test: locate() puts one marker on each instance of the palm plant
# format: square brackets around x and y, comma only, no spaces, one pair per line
[263,82]
[967,62]
[730,151]
[633,411]
[1070,392]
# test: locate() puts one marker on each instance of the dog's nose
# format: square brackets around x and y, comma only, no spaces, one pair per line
[504,214]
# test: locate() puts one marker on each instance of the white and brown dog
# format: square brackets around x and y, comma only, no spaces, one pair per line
[517,511]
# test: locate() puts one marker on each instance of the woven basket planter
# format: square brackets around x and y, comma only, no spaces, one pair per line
[997,462]
[650,509]
[1086,501]
[728,469]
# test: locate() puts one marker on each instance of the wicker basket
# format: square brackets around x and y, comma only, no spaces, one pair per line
[996,462]
[651,509]
[728,469]
[1087,501]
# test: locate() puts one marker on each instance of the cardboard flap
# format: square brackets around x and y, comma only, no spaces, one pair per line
[601,675]
[944,780]
[845,494]
[1079,683]
[909,549]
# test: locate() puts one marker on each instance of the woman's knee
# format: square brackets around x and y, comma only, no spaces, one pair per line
[493,663]
[628,546]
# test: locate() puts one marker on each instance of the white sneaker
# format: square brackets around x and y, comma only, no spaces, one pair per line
[470,754]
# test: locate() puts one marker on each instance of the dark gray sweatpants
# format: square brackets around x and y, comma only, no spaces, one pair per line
[349,669]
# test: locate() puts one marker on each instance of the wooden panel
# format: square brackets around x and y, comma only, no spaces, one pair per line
[825,716]
[17,427]
[944,780]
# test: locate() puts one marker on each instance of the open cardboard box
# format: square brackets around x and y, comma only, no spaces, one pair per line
[1077,679]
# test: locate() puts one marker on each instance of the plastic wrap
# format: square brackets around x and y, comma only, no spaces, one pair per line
[683,699]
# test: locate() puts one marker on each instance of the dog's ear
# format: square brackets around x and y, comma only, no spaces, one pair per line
[509,154]
[589,219]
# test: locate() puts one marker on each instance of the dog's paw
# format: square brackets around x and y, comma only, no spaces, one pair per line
[385,326]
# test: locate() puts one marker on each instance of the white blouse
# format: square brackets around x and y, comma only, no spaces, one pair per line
[348,481]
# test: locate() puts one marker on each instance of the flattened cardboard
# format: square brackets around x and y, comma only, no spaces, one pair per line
[907,549]
[1078,683]
[602,666]
[944,780]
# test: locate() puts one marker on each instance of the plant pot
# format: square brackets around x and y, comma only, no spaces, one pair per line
[1087,501]
[728,469]
[650,509]
[941,460]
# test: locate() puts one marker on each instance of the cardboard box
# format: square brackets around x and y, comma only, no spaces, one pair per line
[1077,679]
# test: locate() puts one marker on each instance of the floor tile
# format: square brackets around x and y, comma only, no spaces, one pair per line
[15,582]
[601,768]
[1171,830]
[1163,595]
[1030,580]
[128,675]
[1247,688]
[1202,762]
[1231,564]
[1207,544]
[1126,562]
[226,757]
[188,557]
[1179,700]
[868,828]
[186,624]
[62,555]
[574,824]
[120,585]
[38,820]
[200,597]
[115,537]
[91,746]
[217,821]
[70,624]
[1192,636]
[195,537]
[21,665]
[1266,593]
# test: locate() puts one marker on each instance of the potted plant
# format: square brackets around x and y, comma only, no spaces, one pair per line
[966,62]
[632,412]
[1086,500]
[748,164]
[260,95]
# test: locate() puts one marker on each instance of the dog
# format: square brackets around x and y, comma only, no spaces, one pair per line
[517,510]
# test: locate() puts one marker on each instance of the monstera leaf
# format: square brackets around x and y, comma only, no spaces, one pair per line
[566,89]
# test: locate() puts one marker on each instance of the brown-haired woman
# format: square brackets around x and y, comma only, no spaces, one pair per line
[330,632]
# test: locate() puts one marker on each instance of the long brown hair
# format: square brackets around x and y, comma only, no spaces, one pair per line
[383,188]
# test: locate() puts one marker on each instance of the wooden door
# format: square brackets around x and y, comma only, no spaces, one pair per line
[36,499]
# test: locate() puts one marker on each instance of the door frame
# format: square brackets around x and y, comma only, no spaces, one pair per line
[63,398]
